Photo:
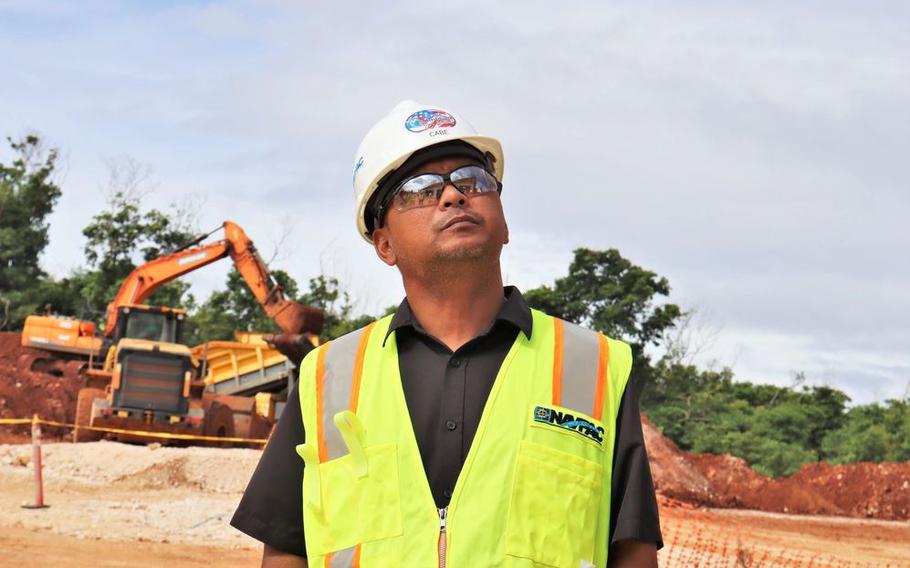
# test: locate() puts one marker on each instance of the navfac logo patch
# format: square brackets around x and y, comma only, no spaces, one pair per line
[429,119]
[569,422]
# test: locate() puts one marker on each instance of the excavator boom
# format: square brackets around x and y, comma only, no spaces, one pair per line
[145,279]
[292,317]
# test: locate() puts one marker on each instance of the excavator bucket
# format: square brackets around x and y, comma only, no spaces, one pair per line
[295,318]
[294,346]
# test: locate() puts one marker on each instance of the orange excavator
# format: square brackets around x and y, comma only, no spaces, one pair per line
[139,376]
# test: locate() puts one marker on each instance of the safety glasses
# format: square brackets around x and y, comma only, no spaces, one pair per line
[426,189]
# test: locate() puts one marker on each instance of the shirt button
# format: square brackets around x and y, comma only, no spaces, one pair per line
[451,425]
[455,362]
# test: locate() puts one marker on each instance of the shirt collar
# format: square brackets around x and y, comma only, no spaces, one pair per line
[514,310]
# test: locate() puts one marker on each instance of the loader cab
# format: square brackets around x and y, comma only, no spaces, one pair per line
[151,371]
[152,323]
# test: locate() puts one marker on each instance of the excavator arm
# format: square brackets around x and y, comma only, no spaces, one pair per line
[290,316]
[293,318]
[145,279]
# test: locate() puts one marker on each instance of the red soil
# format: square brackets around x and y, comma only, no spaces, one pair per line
[880,491]
[23,393]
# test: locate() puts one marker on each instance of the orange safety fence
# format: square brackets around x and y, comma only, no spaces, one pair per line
[730,546]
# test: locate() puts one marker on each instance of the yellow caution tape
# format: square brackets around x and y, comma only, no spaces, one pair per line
[140,433]
[15,420]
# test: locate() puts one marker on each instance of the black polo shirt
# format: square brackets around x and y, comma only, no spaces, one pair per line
[445,392]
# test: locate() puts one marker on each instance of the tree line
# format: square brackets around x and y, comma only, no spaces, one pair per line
[776,429]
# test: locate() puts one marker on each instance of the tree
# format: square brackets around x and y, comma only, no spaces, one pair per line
[122,236]
[606,292]
[28,195]
[325,293]
[871,432]
[234,308]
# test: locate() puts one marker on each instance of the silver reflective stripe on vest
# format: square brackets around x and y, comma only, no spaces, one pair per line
[580,360]
[336,393]
[343,558]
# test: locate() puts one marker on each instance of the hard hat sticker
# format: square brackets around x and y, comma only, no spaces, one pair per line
[357,166]
[429,119]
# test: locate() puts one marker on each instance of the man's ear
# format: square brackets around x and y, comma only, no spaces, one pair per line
[383,247]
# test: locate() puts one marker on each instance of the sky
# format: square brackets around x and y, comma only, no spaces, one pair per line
[754,154]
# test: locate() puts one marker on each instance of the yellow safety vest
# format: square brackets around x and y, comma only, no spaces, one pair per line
[535,486]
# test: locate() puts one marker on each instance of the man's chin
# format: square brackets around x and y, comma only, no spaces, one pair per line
[464,251]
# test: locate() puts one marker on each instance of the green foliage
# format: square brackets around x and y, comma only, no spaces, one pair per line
[234,308]
[28,195]
[606,292]
[871,432]
[324,293]
[121,238]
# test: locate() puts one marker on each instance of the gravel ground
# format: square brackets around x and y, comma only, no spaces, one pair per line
[113,491]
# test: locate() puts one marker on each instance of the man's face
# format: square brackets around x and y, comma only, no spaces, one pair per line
[458,228]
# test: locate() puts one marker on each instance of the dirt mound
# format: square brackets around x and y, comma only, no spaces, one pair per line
[9,347]
[23,393]
[127,466]
[868,490]
[674,476]
[880,491]
[736,485]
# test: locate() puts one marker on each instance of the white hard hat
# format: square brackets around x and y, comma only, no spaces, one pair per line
[410,126]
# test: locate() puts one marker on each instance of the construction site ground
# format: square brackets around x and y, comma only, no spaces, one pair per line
[114,504]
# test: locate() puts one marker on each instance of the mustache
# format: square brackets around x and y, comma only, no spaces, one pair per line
[458,217]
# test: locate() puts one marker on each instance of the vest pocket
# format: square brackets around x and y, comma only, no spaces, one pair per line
[553,508]
[353,508]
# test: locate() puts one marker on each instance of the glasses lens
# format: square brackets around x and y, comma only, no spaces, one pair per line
[418,191]
[425,189]
[473,179]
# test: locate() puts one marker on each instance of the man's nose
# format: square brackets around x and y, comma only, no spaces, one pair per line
[451,196]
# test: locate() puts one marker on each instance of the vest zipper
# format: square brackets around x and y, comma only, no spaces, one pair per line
[442,536]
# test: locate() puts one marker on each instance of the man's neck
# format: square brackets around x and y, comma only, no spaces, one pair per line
[456,309]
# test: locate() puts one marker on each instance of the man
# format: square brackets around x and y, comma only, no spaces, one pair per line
[466,429]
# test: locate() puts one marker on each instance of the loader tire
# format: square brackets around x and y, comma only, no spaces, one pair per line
[84,402]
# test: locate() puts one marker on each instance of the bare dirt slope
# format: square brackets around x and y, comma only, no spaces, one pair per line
[864,490]
[23,393]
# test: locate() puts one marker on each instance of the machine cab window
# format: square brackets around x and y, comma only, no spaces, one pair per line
[149,323]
